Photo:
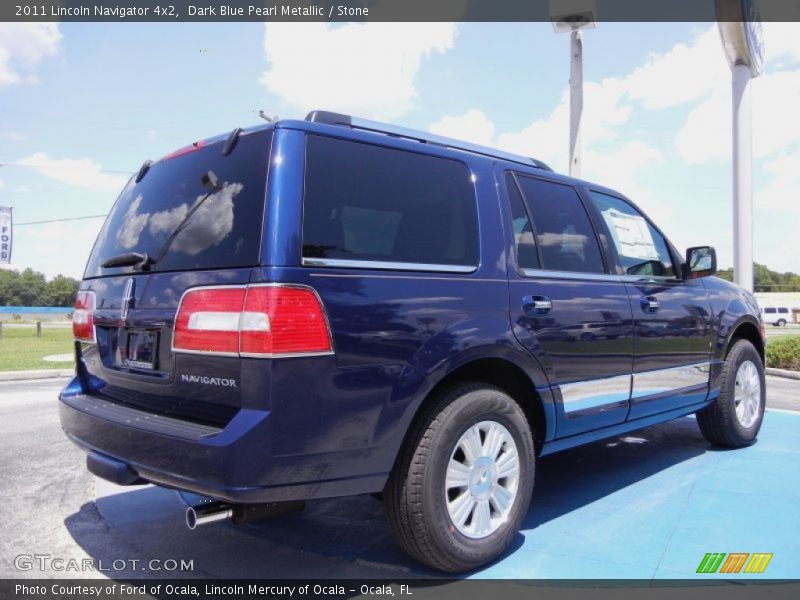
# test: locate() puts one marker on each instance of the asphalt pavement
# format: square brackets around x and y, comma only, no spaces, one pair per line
[645,505]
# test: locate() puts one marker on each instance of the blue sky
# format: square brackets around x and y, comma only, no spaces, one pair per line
[83,104]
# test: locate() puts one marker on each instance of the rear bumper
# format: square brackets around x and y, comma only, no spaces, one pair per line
[236,463]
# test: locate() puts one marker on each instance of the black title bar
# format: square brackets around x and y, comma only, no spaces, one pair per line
[383,10]
[395,589]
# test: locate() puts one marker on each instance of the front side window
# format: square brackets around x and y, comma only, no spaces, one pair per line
[641,248]
[783,311]
[370,203]
[563,231]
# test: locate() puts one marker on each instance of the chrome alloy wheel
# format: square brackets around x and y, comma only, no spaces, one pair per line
[747,394]
[482,479]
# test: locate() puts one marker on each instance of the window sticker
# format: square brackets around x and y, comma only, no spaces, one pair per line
[631,234]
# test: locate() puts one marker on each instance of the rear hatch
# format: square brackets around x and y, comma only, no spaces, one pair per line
[194,218]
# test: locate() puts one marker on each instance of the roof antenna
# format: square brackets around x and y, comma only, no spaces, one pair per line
[266,117]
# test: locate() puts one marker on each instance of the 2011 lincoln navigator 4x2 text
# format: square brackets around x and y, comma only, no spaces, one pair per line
[330,307]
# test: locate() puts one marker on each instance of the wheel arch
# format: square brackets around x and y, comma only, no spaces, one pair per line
[506,375]
[746,329]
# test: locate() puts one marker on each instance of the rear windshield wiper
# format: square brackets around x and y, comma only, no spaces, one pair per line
[209,181]
[129,259]
[142,259]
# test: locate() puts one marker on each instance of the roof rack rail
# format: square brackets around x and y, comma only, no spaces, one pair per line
[332,118]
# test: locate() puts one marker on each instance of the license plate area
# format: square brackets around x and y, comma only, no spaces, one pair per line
[140,350]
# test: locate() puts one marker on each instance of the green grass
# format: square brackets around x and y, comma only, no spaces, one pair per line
[21,350]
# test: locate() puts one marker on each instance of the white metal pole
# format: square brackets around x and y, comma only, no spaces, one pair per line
[575,102]
[742,178]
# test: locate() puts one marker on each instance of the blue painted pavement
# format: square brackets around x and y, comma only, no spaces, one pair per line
[647,505]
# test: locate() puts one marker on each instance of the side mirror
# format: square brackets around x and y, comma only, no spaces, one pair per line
[701,261]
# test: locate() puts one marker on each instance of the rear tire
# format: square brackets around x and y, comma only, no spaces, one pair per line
[478,435]
[734,418]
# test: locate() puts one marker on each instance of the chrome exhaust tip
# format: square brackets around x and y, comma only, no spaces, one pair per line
[207,513]
[201,510]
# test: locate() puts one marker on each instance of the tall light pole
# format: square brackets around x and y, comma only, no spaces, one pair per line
[574,16]
[575,101]
[740,28]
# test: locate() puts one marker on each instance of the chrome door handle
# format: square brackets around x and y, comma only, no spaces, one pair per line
[650,304]
[536,305]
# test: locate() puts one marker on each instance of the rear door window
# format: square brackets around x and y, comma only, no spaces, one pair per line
[563,231]
[196,210]
[770,311]
[374,204]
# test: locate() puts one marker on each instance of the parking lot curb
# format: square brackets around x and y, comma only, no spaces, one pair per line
[785,373]
[38,374]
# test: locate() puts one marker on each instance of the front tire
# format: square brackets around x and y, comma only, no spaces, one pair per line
[735,417]
[463,481]
[781,322]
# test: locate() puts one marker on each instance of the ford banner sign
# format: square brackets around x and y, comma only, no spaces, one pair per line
[5,235]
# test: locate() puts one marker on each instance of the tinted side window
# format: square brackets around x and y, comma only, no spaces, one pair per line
[524,244]
[365,202]
[642,250]
[783,311]
[769,311]
[564,233]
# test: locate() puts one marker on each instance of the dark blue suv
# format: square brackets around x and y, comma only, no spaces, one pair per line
[329,307]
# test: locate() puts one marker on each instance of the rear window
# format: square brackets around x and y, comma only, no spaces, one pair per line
[369,203]
[199,210]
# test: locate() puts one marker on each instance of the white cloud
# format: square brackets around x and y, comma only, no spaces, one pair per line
[23,46]
[686,73]
[706,134]
[45,250]
[780,41]
[473,126]
[782,193]
[366,69]
[80,172]
[11,136]
[623,167]
[776,97]
[546,138]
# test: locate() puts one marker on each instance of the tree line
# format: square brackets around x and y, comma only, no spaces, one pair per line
[766,280]
[31,288]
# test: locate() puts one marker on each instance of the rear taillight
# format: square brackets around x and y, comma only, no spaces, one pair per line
[208,321]
[283,320]
[253,321]
[83,317]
